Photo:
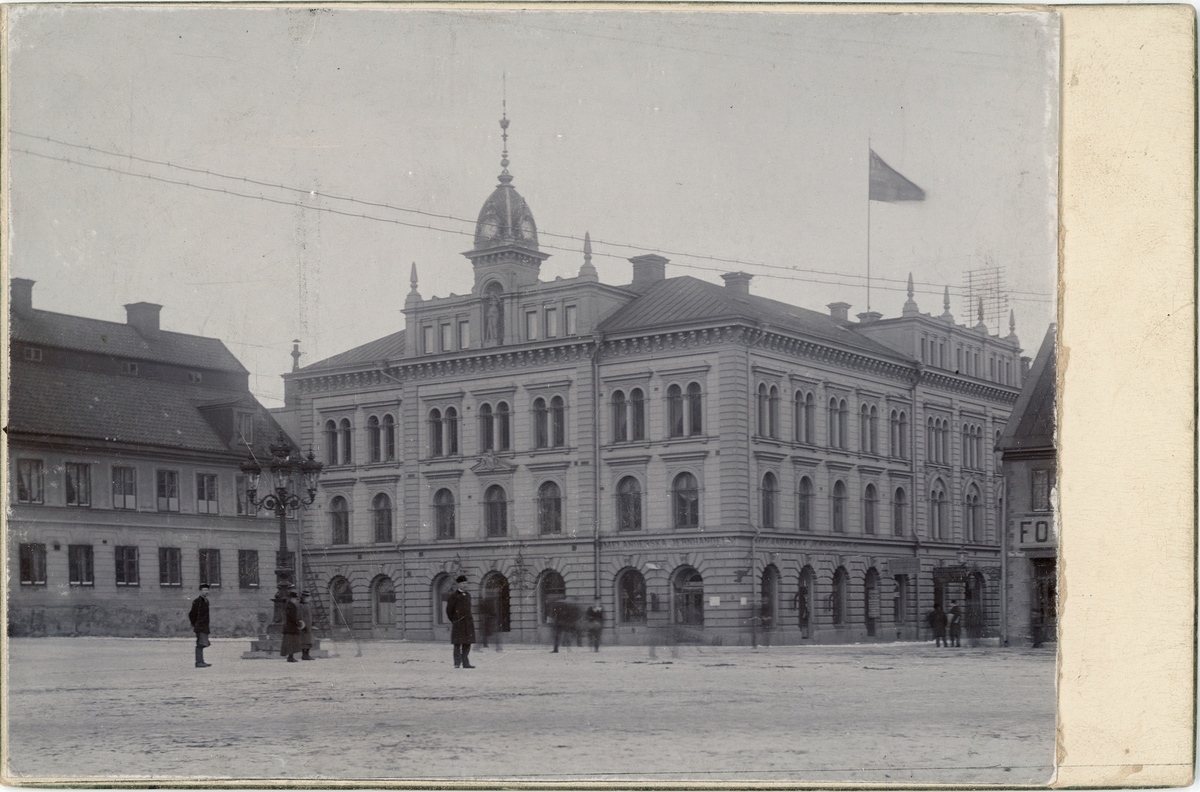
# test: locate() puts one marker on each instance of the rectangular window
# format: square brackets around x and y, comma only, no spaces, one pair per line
[206,493]
[79,484]
[124,487]
[551,323]
[531,326]
[569,317]
[195,377]
[900,602]
[1041,490]
[447,338]
[80,565]
[127,566]
[168,490]
[247,569]
[33,564]
[464,335]
[427,339]
[210,567]
[245,429]
[30,481]
[244,509]
[33,354]
[923,350]
[129,367]
[170,566]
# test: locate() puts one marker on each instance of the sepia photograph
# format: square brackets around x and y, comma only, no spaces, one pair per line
[688,378]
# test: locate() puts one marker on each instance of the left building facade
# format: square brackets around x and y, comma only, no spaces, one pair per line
[125,493]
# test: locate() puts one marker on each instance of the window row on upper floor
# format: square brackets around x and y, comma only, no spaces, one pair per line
[837,423]
[453,334]
[81,566]
[970,360]
[76,488]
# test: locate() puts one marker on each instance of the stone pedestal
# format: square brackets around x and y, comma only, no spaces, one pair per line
[266,647]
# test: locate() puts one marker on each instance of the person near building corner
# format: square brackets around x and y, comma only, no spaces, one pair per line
[306,639]
[462,623]
[595,623]
[292,625]
[937,621]
[198,616]
[955,617]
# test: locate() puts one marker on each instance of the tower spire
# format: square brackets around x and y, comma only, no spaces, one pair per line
[1012,322]
[505,178]
[588,270]
[910,307]
[949,317]
[412,278]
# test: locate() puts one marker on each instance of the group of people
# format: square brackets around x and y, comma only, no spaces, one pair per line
[297,626]
[942,622]
[565,618]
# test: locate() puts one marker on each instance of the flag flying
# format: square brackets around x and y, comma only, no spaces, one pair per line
[889,186]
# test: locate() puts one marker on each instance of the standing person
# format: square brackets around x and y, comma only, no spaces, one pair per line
[487,612]
[955,617]
[198,616]
[595,623]
[462,623]
[292,625]
[306,639]
[937,620]
[768,620]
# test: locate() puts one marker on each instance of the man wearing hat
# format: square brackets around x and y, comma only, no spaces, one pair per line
[462,624]
[198,616]
[306,640]
[292,625]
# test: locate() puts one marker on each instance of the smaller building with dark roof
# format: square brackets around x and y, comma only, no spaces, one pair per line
[124,446]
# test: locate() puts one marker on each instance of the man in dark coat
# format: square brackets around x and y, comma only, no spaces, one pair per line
[198,616]
[292,625]
[565,616]
[462,623]
[595,623]
[955,617]
[306,639]
[937,620]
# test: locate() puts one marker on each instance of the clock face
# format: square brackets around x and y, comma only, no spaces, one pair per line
[490,228]
[527,229]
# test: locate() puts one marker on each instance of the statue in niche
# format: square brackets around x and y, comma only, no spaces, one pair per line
[493,319]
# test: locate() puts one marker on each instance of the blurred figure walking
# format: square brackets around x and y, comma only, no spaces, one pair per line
[955,617]
[292,625]
[595,623]
[488,612]
[462,623]
[306,639]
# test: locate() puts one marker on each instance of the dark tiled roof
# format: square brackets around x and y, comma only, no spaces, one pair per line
[45,328]
[49,401]
[686,300]
[390,348]
[1031,424]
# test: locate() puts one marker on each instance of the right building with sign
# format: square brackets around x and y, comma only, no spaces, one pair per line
[1029,464]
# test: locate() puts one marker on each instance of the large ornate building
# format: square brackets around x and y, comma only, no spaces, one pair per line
[124,442]
[695,455]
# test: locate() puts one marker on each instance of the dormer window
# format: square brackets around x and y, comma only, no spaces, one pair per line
[245,429]
[33,354]
[195,377]
[129,367]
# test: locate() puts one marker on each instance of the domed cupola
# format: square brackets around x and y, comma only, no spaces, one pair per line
[506,240]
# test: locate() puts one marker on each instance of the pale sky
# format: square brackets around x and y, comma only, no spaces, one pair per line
[736,136]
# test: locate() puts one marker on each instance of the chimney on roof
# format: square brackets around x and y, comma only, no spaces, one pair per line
[143,317]
[840,311]
[647,270]
[869,316]
[738,281]
[21,294]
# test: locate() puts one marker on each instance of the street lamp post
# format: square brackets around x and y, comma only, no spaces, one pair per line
[288,473]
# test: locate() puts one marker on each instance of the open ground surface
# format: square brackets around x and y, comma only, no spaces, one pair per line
[89,708]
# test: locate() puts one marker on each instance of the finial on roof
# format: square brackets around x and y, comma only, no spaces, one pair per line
[505,178]
[412,278]
[910,307]
[1012,322]
[946,315]
[910,287]
[295,354]
[587,270]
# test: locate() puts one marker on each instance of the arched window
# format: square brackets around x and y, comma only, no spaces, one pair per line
[541,428]
[558,422]
[903,435]
[770,500]
[937,511]
[979,447]
[798,429]
[442,586]
[495,511]
[804,505]
[451,431]
[864,429]
[675,411]
[839,507]
[435,433]
[810,419]
[331,443]
[443,513]
[966,446]
[503,435]
[930,443]
[764,405]
[629,504]
[347,455]
[637,415]
[341,598]
[339,521]
[389,438]
[381,510]
[773,412]
[974,515]
[841,579]
[944,429]
[620,430]
[385,601]
[843,425]
[873,434]
[894,434]
[549,508]
[870,501]
[833,424]
[685,497]
[695,410]
[374,448]
[899,507]
[487,437]
[631,597]
[688,591]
